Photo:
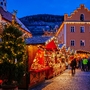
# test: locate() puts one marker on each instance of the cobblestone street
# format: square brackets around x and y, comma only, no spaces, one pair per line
[64,81]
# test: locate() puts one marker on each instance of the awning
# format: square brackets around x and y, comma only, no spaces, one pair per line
[51,46]
[81,51]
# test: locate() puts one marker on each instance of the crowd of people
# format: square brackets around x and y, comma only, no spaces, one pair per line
[83,64]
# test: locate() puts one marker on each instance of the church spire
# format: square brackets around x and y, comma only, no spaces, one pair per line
[3,4]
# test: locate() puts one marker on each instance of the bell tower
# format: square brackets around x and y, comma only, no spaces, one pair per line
[3,4]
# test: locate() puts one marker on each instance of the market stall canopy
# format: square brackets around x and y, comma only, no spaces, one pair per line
[82,51]
[61,45]
[51,45]
[49,42]
[37,40]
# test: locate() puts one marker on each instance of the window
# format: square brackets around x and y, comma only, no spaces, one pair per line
[82,29]
[82,17]
[4,4]
[72,43]
[1,3]
[82,43]
[72,29]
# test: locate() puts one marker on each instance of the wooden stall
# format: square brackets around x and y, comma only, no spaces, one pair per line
[43,59]
[50,57]
[53,59]
[36,60]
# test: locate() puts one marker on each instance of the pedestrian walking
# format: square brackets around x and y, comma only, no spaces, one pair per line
[80,63]
[82,66]
[85,63]
[73,66]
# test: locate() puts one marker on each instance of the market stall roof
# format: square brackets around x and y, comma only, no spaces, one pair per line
[37,40]
[51,45]
[82,51]
[61,45]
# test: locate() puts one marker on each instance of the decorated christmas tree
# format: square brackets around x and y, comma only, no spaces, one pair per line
[12,55]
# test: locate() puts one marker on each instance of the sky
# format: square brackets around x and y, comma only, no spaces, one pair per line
[34,7]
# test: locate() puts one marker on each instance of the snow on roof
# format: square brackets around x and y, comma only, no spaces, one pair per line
[22,25]
[37,40]
[8,17]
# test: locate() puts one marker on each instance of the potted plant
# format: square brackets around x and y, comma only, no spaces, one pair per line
[13,56]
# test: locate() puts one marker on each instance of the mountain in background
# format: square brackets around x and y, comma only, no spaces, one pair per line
[37,24]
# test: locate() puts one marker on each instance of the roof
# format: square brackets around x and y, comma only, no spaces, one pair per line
[37,40]
[61,45]
[51,45]
[8,16]
[5,14]
[82,51]
[22,25]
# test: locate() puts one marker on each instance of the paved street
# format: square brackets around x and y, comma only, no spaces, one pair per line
[64,81]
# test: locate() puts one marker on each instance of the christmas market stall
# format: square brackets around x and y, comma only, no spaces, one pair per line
[67,54]
[51,57]
[63,57]
[44,59]
[37,63]
[82,53]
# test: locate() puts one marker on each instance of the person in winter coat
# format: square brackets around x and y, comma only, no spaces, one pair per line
[85,63]
[73,66]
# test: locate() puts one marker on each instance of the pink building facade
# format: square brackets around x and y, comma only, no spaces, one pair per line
[75,30]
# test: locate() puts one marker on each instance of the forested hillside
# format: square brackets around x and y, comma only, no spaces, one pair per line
[37,24]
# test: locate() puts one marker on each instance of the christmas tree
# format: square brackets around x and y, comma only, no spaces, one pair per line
[13,55]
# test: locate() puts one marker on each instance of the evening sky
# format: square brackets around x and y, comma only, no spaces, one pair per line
[55,7]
